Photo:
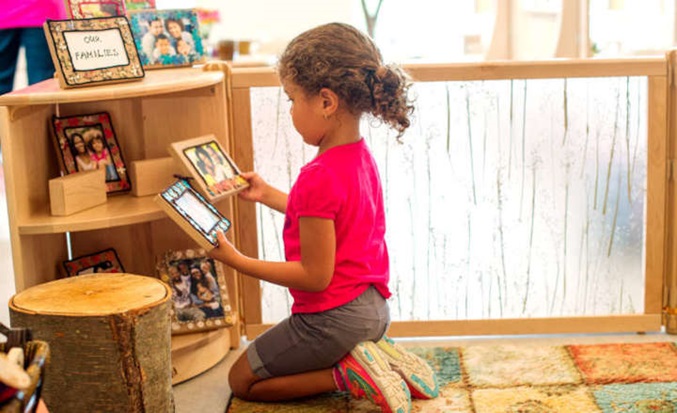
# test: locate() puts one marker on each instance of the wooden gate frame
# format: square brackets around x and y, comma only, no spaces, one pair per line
[660,303]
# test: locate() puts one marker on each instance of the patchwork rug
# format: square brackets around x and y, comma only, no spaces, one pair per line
[607,378]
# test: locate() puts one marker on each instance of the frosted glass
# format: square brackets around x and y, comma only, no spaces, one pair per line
[504,199]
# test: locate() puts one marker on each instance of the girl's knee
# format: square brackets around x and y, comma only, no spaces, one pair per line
[241,378]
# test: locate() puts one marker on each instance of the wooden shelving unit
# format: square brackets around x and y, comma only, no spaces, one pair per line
[166,106]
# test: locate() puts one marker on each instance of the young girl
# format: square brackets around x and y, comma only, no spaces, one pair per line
[336,266]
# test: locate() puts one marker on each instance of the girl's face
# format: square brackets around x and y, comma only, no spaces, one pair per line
[97,144]
[306,114]
[79,144]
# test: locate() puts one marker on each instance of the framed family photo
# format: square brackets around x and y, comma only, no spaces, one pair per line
[106,261]
[93,51]
[199,293]
[216,174]
[88,142]
[85,9]
[166,38]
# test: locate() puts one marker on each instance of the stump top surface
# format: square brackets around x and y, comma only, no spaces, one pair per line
[92,294]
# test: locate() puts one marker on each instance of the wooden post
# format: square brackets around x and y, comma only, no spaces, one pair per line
[110,340]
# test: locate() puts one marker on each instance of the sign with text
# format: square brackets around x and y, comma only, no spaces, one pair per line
[93,51]
[96,49]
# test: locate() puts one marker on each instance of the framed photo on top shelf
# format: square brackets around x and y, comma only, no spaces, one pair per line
[103,261]
[88,142]
[200,298]
[203,158]
[93,51]
[85,9]
[166,38]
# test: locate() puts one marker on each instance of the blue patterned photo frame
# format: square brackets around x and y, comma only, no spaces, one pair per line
[166,38]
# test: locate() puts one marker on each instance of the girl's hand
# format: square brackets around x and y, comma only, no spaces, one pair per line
[257,187]
[225,252]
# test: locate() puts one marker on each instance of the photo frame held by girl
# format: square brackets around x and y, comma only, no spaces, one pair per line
[166,38]
[88,142]
[199,291]
[105,261]
[216,174]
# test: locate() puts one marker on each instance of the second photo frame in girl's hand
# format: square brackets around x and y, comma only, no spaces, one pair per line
[88,142]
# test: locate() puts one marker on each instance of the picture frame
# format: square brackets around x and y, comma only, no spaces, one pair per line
[167,38]
[139,4]
[193,213]
[105,261]
[94,51]
[86,9]
[88,142]
[200,299]
[204,158]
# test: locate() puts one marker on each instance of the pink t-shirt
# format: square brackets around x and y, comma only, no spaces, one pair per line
[343,185]
[30,13]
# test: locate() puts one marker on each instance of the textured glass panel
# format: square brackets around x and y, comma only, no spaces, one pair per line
[504,199]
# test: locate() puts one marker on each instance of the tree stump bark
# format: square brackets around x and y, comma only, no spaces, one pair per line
[110,341]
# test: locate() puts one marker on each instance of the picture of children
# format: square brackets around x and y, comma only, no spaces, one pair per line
[88,142]
[164,50]
[167,37]
[99,153]
[196,292]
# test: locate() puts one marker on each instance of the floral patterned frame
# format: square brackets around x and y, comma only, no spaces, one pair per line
[62,127]
[106,260]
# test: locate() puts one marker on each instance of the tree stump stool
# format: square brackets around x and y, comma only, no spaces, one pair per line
[110,341]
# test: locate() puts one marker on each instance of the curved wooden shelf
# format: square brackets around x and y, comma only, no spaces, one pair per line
[155,82]
[117,211]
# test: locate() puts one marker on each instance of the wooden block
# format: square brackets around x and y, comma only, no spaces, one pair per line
[76,192]
[152,176]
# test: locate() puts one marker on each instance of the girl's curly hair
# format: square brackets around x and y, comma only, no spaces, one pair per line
[339,57]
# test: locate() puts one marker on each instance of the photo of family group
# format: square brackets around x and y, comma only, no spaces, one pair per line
[87,143]
[199,293]
[216,175]
[167,37]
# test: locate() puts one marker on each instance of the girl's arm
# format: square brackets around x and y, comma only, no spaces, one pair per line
[312,273]
[260,191]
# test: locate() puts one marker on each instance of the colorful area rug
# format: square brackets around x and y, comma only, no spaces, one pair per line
[607,378]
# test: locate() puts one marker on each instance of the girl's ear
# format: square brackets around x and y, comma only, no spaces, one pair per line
[330,102]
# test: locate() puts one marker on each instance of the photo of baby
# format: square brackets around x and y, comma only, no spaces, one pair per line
[167,37]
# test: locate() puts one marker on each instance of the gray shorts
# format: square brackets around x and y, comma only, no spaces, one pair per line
[315,341]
